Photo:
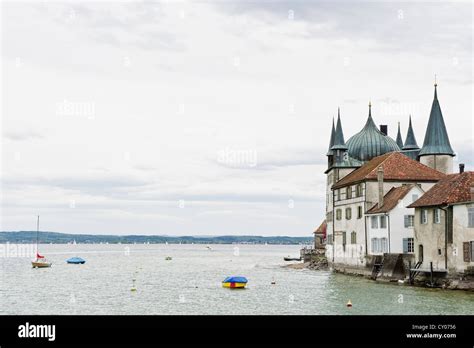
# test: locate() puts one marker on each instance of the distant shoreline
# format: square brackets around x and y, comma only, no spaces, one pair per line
[66,238]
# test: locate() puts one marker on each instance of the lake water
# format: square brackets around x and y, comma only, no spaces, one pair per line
[191,284]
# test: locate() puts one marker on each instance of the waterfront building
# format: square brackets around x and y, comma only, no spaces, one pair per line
[390,222]
[444,226]
[358,192]
[363,170]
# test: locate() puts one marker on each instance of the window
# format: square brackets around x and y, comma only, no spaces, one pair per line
[359,212]
[409,220]
[374,222]
[348,213]
[374,245]
[349,192]
[424,216]
[379,245]
[358,190]
[338,197]
[353,238]
[414,197]
[383,221]
[420,253]
[383,245]
[468,251]
[436,216]
[470,217]
[338,214]
[344,241]
[408,245]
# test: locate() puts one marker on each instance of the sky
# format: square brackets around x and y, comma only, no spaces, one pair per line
[211,117]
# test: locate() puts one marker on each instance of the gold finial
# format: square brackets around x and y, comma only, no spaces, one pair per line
[436,83]
[370,104]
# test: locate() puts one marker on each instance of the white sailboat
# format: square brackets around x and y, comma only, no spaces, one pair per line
[40,261]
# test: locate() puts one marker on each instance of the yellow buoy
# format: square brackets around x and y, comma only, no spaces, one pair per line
[349,303]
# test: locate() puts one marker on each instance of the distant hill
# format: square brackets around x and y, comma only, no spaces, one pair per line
[63,238]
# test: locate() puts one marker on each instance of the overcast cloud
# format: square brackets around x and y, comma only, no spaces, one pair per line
[211,117]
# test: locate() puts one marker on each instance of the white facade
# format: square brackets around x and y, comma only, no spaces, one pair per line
[348,240]
[393,232]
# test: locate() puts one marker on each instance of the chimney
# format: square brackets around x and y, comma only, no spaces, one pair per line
[380,184]
[461,167]
[384,129]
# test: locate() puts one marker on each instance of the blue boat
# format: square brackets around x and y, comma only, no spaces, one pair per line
[235,282]
[76,260]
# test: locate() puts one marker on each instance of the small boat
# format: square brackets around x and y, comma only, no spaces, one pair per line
[234,282]
[40,261]
[76,260]
[292,258]
[168,258]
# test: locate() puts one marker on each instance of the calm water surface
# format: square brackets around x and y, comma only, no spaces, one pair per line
[191,284]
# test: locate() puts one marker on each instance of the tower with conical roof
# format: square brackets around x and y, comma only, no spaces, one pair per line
[339,146]
[410,147]
[399,137]
[340,164]
[330,153]
[337,152]
[436,151]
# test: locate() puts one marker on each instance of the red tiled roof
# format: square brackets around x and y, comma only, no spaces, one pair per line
[390,200]
[396,166]
[455,188]
[322,228]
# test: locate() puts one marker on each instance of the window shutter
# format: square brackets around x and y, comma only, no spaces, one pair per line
[405,244]
[466,251]
[406,220]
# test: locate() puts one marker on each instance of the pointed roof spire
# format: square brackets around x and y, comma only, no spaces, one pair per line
[370,121]
[339,143]
[399,137]
[436,137]
[333,134]
[410,141]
